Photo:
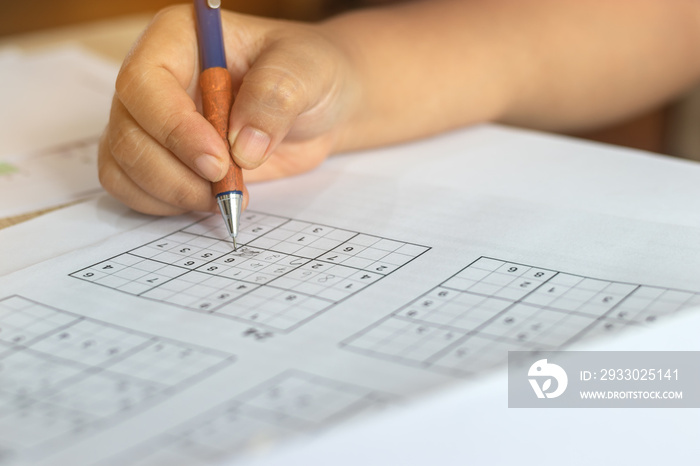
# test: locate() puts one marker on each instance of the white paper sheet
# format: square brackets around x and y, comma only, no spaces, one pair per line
[55,105]
[472,424]
[361,286]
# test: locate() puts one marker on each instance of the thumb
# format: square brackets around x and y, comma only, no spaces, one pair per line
[273,93]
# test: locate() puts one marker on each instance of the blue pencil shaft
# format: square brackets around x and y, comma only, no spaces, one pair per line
[209,35]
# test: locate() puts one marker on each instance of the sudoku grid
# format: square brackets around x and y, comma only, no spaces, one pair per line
[290,404]
[284,273]
[470,322]
[64,375]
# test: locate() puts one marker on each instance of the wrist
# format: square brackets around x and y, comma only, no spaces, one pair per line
[350,89]
[415,76]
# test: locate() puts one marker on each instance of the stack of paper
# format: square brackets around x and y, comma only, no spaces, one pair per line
[55,105]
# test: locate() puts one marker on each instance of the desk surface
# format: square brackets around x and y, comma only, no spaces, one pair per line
[111,39]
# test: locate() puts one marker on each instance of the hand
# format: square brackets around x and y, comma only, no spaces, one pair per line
[293,87]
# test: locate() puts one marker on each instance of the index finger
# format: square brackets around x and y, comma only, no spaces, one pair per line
[156,85]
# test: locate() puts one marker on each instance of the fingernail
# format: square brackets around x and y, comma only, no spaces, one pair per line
[250,145]
[209,167]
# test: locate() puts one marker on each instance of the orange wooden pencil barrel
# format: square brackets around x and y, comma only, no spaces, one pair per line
[217,98]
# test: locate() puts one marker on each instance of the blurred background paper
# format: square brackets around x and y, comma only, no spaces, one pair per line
[55,105]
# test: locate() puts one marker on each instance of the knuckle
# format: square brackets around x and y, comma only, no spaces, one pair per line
[175,130]
[124,79]
[185,195]
[127,145]
[129,77]
[108,176]
[172,12]
[136,67]
[278,90]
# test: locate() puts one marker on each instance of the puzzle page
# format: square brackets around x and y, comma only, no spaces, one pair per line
[470,321]
[285,273]
[65,376]
[355,289]
[290,405]
[68,377]
[175,313]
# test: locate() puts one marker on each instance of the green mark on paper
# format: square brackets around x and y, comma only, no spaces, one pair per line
[6,168]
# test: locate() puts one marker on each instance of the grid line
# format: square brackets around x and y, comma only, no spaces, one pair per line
[470,321]
[285,272]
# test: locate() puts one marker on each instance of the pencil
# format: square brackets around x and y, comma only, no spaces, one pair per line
[217,98]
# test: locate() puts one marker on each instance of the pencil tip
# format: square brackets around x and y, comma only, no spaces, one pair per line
[235,247]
